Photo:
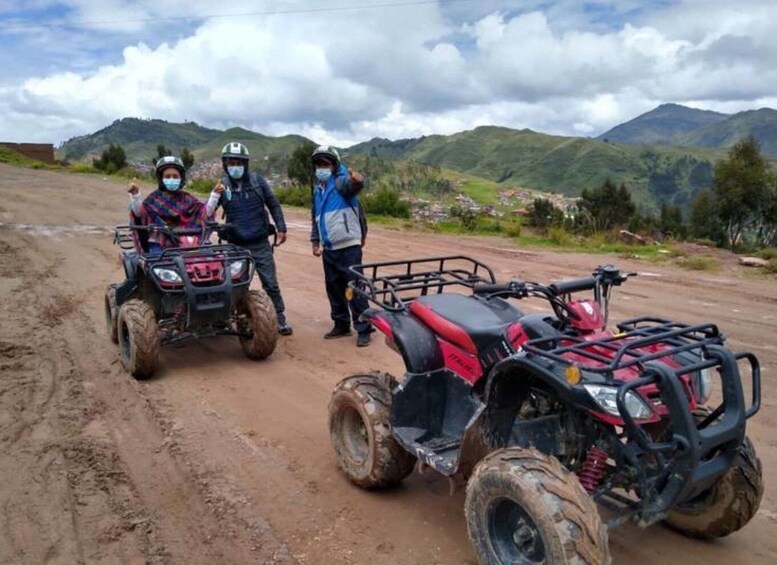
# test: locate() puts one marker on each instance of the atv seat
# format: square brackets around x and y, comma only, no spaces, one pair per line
[468,322]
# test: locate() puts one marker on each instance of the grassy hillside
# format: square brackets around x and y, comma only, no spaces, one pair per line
[139,138]
[11,157]
[559,164]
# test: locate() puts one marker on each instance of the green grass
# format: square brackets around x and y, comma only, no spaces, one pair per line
[698,263]
[11,157]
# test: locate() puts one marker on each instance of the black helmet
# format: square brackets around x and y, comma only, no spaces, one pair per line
[169,161]
[327,153]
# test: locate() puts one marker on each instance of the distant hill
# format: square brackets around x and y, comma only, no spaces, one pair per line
[139,138]
[761,124]
[672,124]
[662,126]
[560,164]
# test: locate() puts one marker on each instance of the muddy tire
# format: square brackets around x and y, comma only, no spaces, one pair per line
[111,313]
[258,318]
[360,431]
[728,505]
[523,506]
[138,338]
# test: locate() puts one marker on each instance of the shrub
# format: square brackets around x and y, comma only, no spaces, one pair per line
[560,236]
[296,195]
[385,202]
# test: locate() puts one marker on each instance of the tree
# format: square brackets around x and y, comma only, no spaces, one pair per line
[188,158]
[112,159]
[161,151]
[605,207]
[300,168]
[704,219]
[740,185]
[671,221]
[544,214]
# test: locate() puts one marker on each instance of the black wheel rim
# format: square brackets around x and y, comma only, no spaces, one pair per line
[355,437]
[126,345]
[513,534]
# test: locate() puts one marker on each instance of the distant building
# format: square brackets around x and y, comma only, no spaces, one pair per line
[40,151]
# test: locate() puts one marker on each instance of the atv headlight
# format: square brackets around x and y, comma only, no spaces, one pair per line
[167,275]
[702,385]
[236,268]
[605,396]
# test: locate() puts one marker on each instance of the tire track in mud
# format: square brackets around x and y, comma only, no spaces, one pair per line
[78,457]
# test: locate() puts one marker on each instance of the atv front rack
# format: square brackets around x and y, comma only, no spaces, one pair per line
[695,453]
[393,285]
[626,349]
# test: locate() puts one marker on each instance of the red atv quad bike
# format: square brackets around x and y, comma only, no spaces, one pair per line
[547,415]
[194,289]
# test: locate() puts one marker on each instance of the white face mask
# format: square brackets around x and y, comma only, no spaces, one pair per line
[323,174]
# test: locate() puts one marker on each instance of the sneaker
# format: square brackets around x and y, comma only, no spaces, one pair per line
[337,331]
[363,339]
[285,329]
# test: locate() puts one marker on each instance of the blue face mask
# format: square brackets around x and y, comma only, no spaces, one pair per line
[172,184]
[323,174]
[236,172]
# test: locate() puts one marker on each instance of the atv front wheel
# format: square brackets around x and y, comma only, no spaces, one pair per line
[360,431]
[728,505]
[138,338]
[523,506]
[259,321]
[111,313]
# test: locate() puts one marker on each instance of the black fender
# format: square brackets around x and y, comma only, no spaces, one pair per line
[505,387]
[416,343]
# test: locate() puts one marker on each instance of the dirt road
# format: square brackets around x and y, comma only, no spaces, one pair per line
[222,460]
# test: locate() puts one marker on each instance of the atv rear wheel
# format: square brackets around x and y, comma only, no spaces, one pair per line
[258,319]
[360,431]
[523,506]
[111,313]
[728,505]
[138,338]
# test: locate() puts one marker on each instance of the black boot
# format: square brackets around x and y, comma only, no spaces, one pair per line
[338,331]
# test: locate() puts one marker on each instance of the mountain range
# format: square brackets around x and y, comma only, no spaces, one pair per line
[672,124]
[665,155]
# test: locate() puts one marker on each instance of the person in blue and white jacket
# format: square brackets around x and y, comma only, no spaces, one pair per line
[338,234]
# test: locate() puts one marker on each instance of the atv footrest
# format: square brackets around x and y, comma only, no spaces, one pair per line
[441,443]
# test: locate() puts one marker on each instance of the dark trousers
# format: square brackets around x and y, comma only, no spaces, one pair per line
[261,251]
[337,275]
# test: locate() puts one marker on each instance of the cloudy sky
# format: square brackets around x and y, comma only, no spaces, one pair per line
[343,71]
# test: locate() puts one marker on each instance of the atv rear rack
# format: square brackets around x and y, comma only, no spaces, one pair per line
[393,285]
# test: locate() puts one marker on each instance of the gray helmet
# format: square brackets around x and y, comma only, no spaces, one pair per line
[169,161]
[327,153]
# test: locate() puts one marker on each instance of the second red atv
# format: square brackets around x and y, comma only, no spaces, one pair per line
[547,415]
[193,289]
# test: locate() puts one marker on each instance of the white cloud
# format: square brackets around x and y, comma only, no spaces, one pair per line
[349,75]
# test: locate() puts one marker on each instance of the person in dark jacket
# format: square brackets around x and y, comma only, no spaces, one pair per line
[245,199]
[338,234]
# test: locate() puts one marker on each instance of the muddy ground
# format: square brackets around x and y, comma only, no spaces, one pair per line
[222,460]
